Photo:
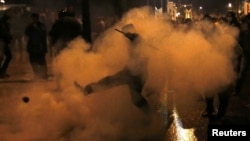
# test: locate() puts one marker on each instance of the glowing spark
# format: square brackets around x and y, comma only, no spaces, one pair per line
[182,134]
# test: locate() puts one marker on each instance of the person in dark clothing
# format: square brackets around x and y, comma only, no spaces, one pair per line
[5,39]
[65,29]
[245,43]
[135,75]
[125,76]
[223,97]
[225,92]
[37,46]
[134,78]
[232,20]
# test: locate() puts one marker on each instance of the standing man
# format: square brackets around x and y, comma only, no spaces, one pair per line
[64,30]
[37,46]
[134,75]
[5,39]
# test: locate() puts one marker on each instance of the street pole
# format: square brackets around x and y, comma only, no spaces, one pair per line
[86,23]
[238,7]
[167,6]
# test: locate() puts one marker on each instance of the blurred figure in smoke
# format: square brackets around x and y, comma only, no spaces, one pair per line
[208,26]
[65,29]
[134,74]
[208,29]
[37,46]
[130,75]
[5,39]
[245,43]
[224,92]
[232,20]
[19,21]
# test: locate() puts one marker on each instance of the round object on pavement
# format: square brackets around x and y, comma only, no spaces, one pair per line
[26,99]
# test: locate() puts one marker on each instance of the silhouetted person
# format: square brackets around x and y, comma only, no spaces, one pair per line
[18,23]
[225,92]
[245,43]
[65,29]
[233,20]
[5,39]
[133,75]
[37,46]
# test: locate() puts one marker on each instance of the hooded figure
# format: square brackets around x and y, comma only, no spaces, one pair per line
[133,74]
[64,30]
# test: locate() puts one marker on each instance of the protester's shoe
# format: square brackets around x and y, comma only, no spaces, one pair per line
[85,90]
[142,102]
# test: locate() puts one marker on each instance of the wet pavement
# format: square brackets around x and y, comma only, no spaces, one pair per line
[188,125]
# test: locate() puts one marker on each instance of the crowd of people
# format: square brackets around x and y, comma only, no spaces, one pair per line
[39,32]
[241,59]
[65,27]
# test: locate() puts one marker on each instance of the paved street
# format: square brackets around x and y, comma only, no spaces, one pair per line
[104,117]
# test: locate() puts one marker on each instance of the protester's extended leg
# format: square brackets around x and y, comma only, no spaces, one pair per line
[223,102]
[209,110]
[122,77]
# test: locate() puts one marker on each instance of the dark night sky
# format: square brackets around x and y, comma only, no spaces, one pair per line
[208,5]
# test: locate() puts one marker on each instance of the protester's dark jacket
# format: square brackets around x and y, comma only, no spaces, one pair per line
[37,38]
[66,29]
[5,34]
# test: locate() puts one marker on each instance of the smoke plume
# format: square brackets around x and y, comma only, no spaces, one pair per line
[180,59]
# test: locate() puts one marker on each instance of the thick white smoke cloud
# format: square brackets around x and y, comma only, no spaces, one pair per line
[185,61]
